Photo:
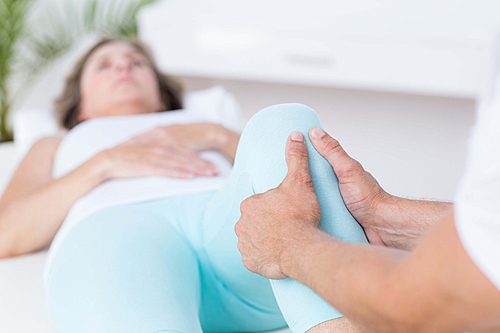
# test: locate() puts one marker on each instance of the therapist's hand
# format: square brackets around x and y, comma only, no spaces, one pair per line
[274,222]
[368,203]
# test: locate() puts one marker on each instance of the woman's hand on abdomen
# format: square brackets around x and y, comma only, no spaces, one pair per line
[195,136]
[34,205]
[128,161]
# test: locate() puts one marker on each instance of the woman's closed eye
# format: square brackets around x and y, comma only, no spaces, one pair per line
[103,65]
[139,62]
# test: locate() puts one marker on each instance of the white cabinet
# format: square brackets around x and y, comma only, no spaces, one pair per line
[425,47]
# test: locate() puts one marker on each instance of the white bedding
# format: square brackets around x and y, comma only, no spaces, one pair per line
[22,308]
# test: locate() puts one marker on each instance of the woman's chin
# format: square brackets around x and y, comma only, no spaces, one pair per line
[130,106]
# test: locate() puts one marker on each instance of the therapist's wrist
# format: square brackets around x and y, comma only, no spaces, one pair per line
[298,253]
[390,222]
[404,222]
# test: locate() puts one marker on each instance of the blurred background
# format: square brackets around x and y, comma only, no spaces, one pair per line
[396,82]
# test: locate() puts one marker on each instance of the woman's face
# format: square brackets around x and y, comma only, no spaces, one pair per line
[117,79]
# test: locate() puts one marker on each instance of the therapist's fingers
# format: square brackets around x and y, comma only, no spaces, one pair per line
[297,160]
[344,165]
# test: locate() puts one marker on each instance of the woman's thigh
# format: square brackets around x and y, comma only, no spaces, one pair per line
[246,299]
[259,166]
[122,270]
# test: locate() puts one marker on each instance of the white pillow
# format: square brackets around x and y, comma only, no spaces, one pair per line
[216,103]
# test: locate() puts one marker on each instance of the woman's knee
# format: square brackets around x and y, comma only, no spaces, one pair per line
[261,150]
[288,117]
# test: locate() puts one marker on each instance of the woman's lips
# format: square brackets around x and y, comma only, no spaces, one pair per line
[125,79]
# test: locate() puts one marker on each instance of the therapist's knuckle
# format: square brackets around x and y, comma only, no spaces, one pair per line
[293,184]
[248,204]
[356,166]
[331,146]
[307,180]
[238,229]
[349,169]
[311,212]
[298,150]
[248,264]
[244,206]
[241,248]
[299,178]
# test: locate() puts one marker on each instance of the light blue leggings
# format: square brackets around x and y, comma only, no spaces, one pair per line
[172,264]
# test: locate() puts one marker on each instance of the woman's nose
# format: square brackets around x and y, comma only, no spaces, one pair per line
[123,65]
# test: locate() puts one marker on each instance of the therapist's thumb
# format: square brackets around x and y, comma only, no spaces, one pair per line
[297,160]
[344,165]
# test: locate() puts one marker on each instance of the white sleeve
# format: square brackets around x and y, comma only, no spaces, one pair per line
[477,200]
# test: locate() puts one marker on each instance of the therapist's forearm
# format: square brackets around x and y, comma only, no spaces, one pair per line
[404,222]
[28,223]
[436,288]
[353,278]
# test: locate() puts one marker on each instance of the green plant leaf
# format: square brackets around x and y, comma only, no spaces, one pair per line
[27,48]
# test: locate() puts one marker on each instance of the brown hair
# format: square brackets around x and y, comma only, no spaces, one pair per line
[67,105]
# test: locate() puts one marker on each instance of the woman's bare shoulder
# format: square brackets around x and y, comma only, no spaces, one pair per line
[43,150]
[42,155]
[46,144]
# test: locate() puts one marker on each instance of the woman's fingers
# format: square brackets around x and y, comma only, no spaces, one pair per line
[186,166]
[183,158]
[195,158]
[150,160]
[175,173]
[189,162]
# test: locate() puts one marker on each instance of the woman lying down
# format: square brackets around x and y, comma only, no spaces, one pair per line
[138,202]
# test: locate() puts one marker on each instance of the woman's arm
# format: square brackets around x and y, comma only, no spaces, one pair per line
[226,141]
[34,205]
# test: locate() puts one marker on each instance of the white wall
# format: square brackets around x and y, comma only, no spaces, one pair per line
[414,145]
[425,47]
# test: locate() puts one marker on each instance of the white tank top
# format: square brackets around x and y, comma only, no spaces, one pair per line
[92,136]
